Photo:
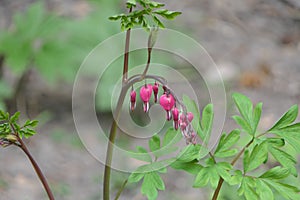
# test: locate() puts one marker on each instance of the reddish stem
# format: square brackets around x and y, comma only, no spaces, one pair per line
[36,168]
[126,56]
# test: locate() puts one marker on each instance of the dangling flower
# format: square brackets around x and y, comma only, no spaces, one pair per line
[132,100]
[175,113]
[155,91]
[167,101]
[190,116]
[145,94]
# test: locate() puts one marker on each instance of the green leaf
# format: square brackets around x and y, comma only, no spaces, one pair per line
[223,170]
[191,167]
[246,160]
[28,132]
[154,143]
[158,22]
[193,108]
[288,118]
[226,153]
[276,142]
[276,173]
[151,183]
[3,116]
[135,177]
[154,4]
[263,190]
[172,136]
[131,3]
[257,157]
[212,174]
[226,142]
[155,166]
[192,152]
[243,123]
[116,17]
[148,189]
[291,134]
[32,123]
[15,117]
[167,14]
[284,159]
[141,154]
[202,178]
[286,190]
[257,115]
[237,178]
[244,106]
[248,189]
[207,121]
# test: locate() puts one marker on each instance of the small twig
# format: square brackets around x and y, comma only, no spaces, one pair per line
[221,180]
[36,167]
[121,189]
[126,55]
[151,41]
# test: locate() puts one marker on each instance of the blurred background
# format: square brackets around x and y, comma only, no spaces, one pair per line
[255,44]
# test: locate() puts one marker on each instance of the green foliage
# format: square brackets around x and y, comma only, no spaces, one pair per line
[146,17]
[212,173]
[249,119]
[226,142]
[257,157]
[34,41]
[11,130]
[255,181]
[203,128]
[55,45]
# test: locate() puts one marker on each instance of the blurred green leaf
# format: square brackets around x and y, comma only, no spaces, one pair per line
[276,173]
[227,142]
[284,159]
[154,143]
[151,183]
[288,118]
[257,157]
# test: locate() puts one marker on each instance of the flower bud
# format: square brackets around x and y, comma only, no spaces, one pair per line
[190,116]
[132,100]
[175,113]
[155,91]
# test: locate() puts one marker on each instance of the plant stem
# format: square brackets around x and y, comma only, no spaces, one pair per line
[110,146]
[36,168]
[126,56]
[221,180]
[121,189]
[114,126]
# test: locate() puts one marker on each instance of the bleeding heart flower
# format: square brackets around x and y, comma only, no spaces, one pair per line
[145,94]
[167,101]
[155,91]
[190,116]
[132,100]
[175,113]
